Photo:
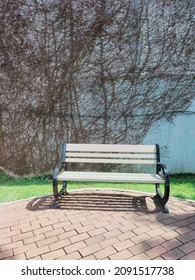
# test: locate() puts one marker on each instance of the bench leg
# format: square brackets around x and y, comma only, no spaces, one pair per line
[56,194]
[163,197]
[55,189]
[64,188]
[165,209]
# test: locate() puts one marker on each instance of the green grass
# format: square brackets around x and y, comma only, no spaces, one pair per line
[182,186]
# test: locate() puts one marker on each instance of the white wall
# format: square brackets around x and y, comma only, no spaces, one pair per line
[177,142]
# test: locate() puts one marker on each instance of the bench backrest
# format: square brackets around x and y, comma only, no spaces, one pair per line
[106,153]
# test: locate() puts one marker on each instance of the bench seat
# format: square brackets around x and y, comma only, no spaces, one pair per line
[110,177]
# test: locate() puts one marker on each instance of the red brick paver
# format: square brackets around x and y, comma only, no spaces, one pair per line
[97,224]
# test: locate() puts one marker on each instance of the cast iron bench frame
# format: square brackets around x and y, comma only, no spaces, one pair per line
[113,154]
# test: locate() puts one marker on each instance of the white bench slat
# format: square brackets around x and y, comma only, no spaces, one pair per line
[109,177]
[106,160]
[110,155]
[110,148]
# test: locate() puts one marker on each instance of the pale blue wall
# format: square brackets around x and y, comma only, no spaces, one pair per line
[177,142]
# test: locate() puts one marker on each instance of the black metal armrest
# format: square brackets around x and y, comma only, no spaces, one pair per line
[55,173]
[59,167]
[55,183]
[163,172]
[162,167]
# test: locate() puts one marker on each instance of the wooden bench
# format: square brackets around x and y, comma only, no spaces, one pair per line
[112,154]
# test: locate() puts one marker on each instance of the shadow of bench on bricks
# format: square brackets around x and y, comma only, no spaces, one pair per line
[99,200]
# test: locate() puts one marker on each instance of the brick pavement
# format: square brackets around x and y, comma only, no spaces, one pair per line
[96,225]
